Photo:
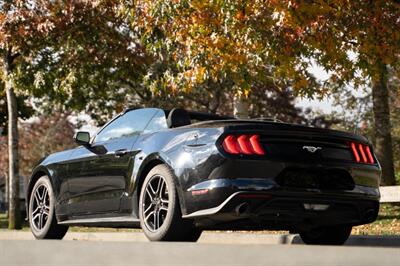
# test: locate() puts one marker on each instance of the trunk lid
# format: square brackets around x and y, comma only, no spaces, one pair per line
[292,142]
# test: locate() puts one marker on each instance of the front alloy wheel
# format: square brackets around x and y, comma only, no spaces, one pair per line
[41,211]
[40,207]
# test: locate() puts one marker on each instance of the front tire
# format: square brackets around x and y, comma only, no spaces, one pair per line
[334,235]
[159,210]
[41,213]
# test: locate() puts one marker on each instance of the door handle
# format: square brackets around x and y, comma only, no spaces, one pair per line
[120,153]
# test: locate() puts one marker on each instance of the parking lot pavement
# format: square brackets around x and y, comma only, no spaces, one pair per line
[54,252]
[210,237]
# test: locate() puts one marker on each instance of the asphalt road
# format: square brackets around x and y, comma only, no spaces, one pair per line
[239,249]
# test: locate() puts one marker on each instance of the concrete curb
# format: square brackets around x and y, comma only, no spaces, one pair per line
[210,237]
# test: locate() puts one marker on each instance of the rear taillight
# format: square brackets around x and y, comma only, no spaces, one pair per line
[369,154]
[243,144]
[231,145]
[355,152]
[256,145]
[362,153]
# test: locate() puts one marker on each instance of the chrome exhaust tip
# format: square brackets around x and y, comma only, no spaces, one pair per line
[242,208]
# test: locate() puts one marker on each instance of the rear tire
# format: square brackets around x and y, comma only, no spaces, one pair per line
[334,235]
[41,212]
[159,210]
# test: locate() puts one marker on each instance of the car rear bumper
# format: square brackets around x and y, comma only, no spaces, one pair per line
[277,189]
[253,203]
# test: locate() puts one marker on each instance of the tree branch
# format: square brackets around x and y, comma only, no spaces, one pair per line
[130,84]
[198,100]
[15,56]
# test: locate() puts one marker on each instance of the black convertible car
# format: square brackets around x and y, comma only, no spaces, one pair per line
[175,173]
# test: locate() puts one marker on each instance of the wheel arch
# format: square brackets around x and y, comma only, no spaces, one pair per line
[144,172]
[149,163]
[37,173]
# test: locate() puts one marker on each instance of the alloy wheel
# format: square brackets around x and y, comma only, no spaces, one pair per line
[155,203]
[40,207]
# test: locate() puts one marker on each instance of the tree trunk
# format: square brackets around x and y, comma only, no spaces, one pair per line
[383,137]
[7,192]
[14,214]
[240,106]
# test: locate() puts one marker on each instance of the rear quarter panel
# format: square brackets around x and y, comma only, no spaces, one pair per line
[190,153]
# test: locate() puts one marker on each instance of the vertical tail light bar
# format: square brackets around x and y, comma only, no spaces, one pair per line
[243,144]
[369,154]
[363,156]
[255,143]
[362,153]
[355,152]
[230,145]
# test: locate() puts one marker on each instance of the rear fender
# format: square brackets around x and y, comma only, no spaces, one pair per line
[140,171]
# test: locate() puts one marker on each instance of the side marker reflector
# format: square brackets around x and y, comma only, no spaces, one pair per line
[199,192]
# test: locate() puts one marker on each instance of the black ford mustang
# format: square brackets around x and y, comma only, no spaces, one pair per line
[175,173]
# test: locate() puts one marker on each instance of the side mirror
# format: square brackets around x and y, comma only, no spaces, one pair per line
[82,138]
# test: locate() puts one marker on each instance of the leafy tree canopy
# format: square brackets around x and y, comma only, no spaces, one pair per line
[221,45]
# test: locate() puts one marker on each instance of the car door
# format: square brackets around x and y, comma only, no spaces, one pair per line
[98,178]
[156,124]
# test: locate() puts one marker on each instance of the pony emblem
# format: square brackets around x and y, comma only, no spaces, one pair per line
[311,149]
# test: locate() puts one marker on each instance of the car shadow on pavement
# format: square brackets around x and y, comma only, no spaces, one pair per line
[357,240]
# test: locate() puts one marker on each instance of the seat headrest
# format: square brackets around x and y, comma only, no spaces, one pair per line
[178,117]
